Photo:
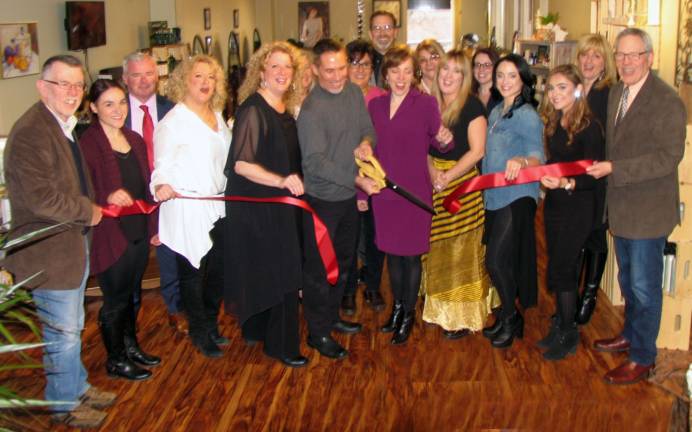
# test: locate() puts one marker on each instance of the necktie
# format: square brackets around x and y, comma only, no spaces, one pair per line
[623,104]
[148,135]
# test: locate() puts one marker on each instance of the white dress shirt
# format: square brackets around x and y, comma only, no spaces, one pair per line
[190,157]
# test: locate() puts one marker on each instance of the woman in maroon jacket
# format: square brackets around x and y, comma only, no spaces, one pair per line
[117,162]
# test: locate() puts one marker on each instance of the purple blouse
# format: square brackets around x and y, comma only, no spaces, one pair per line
[402,228]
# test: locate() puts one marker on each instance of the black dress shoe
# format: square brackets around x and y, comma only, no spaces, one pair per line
[347,327]
[394,319]
[207,347]
[328,347]
[455,334]
[135,353]
[294,362]
[348,304]
[402,332]
[123,367]
[218,339]
[374,300]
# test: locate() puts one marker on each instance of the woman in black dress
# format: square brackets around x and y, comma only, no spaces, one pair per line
[597,68]
[264,255]
[571,134]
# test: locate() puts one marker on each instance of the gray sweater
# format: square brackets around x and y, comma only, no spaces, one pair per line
[330,127]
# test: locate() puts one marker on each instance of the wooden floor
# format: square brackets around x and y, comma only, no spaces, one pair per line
[430,384]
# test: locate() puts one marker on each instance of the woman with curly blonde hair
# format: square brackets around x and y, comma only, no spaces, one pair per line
[264,255]
[190,147]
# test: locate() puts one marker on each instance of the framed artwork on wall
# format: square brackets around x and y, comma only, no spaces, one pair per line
[236,18]
[19,49]
[392,6]
[313,22]
[207,19]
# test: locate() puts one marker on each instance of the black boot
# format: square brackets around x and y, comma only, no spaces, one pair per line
[118,364]
[132,349]
[594,265]
[394,319]
[511,327]
[564,343]
[491,331]
[402,332]
[552,333]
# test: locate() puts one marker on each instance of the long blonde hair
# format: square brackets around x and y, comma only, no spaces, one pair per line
[577,119]
[450,112]
[599,44]
[256,65]
[176,87]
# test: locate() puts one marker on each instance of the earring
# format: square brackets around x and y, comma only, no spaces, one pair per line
[577,94]
[263,84]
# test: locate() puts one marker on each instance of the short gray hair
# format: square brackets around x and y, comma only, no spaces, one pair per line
[135,57]
[641,34]
[66,59]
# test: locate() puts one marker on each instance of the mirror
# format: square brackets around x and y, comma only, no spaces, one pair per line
[233,50]
[256,40]
[197,46]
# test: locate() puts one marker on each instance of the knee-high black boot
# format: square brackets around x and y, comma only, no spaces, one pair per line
[402,332]
[132,349]
[394,319]
[118,364]
[594,265]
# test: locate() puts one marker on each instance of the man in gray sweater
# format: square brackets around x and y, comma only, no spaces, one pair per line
[333,126]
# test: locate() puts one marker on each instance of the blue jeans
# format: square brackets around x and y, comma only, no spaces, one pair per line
[62,316]
[640,274]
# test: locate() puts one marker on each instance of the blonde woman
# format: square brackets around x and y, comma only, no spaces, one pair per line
[264,255]
[190,148]
[455,281]
[428,54]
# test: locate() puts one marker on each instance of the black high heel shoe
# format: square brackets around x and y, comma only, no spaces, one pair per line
[402,333]
[512,327]
[394,319]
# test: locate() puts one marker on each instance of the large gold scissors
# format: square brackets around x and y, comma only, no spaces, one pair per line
[372,169]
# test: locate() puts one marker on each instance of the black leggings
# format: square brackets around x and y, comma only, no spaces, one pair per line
[404,278]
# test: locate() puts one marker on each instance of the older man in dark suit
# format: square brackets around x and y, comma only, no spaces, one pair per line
[147,108]
[645,141]
[48,183]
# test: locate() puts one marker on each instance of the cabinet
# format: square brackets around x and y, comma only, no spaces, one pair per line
[545,55]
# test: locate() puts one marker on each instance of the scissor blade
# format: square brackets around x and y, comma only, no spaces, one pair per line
[409,196]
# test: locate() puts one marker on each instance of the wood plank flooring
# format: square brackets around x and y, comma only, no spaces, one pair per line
[430,384]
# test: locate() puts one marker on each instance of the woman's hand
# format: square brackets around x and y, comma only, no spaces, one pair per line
[550,182]
[368,185]
[363,151]
[293,183]
[442,181]
[120,198]
[513,167]
[444,135]
[164,192]
[362,205]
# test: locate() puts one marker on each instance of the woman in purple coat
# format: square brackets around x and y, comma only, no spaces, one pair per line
[407,123]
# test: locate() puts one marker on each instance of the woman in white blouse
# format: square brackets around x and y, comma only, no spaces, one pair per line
[190,148]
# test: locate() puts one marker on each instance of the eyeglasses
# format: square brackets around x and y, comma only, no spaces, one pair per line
[384,28]
[482,65]
[433,57]
[64,85]
[620,56]
[357,65]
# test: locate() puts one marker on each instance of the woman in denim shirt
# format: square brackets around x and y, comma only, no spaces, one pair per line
[515,141]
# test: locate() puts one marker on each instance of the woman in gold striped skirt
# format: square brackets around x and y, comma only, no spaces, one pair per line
[458,293]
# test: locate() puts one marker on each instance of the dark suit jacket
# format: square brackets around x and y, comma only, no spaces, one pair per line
[645,148]
[163,105]
[43,187]
[109,241]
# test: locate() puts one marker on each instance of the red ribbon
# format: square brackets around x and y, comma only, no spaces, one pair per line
[324,242]
[526,175]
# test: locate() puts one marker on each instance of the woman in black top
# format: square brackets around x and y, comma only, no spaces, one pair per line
[571,134]
[263,253]
[597,68]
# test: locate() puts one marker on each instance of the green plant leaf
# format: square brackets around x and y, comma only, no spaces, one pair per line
[19,347]
[29,236]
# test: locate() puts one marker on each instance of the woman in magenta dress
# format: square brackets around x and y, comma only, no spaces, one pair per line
[407,123]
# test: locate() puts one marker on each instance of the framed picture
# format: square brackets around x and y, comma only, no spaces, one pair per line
[236,18]
[392,6]
[207,19]
[313,22]
[19,45]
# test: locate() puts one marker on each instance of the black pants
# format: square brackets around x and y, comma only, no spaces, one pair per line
[121,280]
[373,258]
[404,277]
[201,289]
[321,300]
[277,327]
[505,229]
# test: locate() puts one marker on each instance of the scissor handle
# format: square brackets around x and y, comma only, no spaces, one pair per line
[372,169]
